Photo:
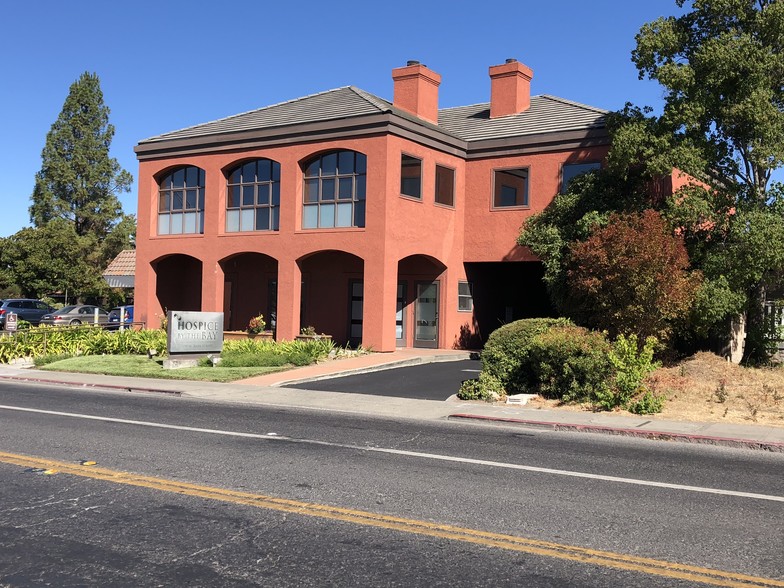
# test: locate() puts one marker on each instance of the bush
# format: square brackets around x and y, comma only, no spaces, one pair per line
[487,388]
[631,365]
[569,363]
[505,356]
[85,340]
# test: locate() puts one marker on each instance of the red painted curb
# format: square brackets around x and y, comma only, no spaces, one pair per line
[656,435]
[85,385]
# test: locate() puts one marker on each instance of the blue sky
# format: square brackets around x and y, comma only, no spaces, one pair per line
[172,63]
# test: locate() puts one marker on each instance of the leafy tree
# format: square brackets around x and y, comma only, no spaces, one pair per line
[720,65]
[37,271]
[79,225]
[631,278]
[78,181]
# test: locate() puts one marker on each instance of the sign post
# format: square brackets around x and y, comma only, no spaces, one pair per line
[10,322]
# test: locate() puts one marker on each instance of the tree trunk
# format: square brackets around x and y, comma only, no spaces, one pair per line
[756,349]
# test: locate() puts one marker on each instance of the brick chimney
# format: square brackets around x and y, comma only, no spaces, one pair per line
[510,88]
[416,90]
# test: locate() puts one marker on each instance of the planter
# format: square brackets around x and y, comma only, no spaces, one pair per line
[239,335]
[312,337]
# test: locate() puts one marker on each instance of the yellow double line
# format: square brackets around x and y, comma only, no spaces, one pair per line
[466,535]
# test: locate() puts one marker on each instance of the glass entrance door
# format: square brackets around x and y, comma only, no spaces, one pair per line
[426,315]
[400,316]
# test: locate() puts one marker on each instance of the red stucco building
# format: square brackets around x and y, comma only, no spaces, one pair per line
[385,224]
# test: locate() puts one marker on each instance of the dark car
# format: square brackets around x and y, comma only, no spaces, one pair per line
[76,315]
[114,316]
[25,309]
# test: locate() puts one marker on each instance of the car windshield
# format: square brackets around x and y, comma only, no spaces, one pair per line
[65,309]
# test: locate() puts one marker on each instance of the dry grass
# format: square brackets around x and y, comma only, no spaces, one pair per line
[707,388]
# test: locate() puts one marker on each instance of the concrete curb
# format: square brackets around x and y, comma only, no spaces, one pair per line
[89,385]
[771,446]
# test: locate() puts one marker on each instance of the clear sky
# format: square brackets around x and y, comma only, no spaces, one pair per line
[169,64]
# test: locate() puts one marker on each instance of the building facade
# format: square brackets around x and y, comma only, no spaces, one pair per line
[386,224]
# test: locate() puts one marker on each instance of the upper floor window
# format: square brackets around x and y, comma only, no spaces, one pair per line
[510,187]
[411,176]
[253,197]
[181,202]
[570,170]
[445,185]
[334,191]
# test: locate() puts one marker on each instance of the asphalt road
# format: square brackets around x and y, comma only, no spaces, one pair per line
[430,381]
[700,506]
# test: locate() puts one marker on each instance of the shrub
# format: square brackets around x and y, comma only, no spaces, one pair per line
[631,276]
[252,359]
[569,363]
[631,366]
[85,340]
[505,356]
[486,387]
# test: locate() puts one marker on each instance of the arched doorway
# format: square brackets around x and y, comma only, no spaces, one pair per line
[250,288]
[418,301]
[178,282]
[332,295]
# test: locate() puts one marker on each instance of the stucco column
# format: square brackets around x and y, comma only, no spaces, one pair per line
[379,305]
[211,286]
[147,308]
[289,297]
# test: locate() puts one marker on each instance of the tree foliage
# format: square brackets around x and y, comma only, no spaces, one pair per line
[52,258]
[78,181]
[631,278]
[79,225]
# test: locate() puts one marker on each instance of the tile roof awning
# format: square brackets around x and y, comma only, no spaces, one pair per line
[122,270]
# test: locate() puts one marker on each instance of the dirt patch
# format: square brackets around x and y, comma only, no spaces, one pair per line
[707,388]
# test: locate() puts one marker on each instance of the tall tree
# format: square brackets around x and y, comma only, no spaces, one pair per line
[78,181]
[721,65]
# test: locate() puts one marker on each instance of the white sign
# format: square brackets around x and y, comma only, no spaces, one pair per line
[194,332]
[10,321]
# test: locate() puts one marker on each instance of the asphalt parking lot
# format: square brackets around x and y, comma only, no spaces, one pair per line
[431,381]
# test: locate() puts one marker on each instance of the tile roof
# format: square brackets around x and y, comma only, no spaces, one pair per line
[547,114]
[122,265]
[334,104]
[468,123]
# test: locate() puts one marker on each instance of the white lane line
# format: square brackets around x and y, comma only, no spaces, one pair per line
[418,454]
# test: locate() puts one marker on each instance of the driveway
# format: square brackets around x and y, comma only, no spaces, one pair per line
[430,381]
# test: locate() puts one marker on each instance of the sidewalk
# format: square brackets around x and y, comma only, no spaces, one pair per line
[267,391]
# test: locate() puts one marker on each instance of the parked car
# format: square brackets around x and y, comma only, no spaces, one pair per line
[114,316]
[26,309]
[76,315]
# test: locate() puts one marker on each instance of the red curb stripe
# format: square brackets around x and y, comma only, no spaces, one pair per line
[657,435]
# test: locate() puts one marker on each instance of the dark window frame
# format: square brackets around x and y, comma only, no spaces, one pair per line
[452,171]
[329,186]
[237,184]
[591,165]
[404,179]
[498,186]
[175,200]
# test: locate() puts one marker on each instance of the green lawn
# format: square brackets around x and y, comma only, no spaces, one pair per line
[139,366]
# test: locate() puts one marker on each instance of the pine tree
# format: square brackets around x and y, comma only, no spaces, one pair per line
[78,181]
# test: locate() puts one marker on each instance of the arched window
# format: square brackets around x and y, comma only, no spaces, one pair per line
[253,197]
[181,202]
[334,191]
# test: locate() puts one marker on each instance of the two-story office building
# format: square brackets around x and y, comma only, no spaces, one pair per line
[385,224]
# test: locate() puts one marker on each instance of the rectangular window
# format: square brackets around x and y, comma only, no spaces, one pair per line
[465,296]
[510,188]
[570,170]
[411,176]
[445,186]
